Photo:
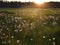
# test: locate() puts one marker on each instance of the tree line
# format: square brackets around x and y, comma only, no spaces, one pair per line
[28,5]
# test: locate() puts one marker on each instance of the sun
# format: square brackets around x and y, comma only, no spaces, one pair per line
[39,1]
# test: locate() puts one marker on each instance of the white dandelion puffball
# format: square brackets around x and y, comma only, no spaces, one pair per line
[18,41]
[44,37]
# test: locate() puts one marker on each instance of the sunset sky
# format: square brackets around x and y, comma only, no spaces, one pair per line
[36,1]
[33,0]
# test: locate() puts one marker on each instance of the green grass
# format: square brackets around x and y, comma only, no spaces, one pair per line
[29,26]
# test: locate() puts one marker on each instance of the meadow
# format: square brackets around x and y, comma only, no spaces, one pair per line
[29,26]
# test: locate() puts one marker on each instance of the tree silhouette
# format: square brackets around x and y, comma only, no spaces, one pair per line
[16,4]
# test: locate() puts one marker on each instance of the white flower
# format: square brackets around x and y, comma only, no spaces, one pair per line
[16,30]
[49,39]
[7,28]
[12,36]
[53,38]
[1,37]
[18,41]
[31,39]
[44,37]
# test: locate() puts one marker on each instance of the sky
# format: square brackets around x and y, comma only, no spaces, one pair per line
[34,0]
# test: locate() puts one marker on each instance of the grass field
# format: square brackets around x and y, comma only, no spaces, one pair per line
[30,26]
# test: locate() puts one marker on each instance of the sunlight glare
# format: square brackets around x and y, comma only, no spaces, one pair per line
[39,1]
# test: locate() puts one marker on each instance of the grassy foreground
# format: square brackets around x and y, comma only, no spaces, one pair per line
[29,26]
